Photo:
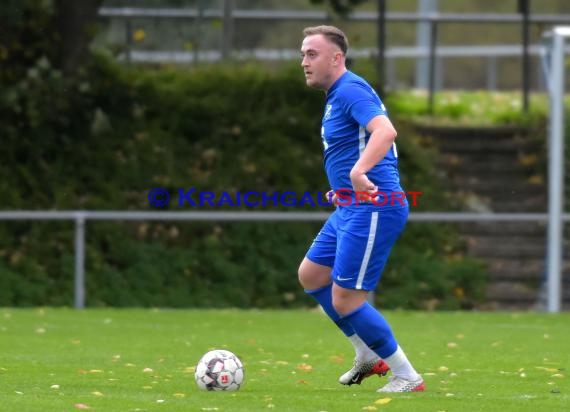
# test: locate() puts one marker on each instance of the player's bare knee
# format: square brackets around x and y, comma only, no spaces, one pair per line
[345,300]
[310,279]
[340,304]
[312,275]
[302,275]
[305,276]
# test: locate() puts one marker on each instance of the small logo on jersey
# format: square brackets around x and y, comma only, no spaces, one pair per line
[328,111]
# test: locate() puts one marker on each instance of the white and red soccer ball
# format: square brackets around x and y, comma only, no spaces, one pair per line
[219,370]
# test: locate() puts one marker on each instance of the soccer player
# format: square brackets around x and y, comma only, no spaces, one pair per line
[348,255]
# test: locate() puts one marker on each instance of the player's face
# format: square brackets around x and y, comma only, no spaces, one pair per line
[319,59]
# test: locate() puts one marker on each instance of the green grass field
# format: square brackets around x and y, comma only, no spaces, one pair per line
[143,360]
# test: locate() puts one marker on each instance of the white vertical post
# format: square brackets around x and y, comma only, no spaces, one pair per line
[423,41]
[79,261]
[556,170]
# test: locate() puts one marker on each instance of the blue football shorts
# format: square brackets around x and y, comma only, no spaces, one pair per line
[356,242]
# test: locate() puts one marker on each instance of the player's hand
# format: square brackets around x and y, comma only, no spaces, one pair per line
[332,197]
[361,184]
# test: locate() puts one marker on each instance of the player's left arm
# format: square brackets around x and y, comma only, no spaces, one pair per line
[382,136]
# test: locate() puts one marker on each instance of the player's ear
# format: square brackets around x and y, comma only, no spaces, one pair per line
[337,58]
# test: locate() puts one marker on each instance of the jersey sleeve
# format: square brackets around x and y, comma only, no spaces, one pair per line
[362,103]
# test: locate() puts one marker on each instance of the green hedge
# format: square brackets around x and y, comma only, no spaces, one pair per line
[103,140]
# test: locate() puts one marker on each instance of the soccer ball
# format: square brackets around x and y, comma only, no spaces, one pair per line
[219,370]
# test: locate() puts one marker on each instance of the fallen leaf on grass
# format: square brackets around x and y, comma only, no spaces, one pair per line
[382,401]
[96,393]
[337,359]
[81,406]
[542,368]
[305,367]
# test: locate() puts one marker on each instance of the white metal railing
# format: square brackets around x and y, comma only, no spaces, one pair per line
[226,13]
[178,56]
[80,217]
[369,16]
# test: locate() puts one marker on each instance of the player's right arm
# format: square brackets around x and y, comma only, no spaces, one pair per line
[382,136]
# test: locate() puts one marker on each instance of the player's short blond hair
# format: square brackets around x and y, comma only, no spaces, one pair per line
[332,33]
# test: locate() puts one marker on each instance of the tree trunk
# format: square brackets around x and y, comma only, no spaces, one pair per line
[76,23]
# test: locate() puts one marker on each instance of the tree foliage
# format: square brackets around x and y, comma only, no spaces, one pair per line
[342,7]
[59,31]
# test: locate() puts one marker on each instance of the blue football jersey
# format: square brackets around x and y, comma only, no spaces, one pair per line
[350,105]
